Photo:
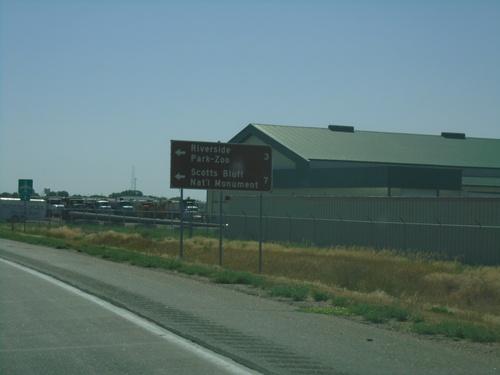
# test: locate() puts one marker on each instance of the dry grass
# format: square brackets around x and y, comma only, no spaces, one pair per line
[360,274]
[379,277]
[63,233]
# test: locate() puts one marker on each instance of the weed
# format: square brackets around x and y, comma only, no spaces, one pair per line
[441,310]
[339,311]
[340,301]
[379,314]
[372,313]
[457,330]
[297,293]
[417,318]
[236,277]
[196,270]
[320,296]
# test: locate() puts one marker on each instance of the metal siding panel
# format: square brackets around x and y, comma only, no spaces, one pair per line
[467,229]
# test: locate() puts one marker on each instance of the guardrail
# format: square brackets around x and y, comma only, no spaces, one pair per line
[73,216]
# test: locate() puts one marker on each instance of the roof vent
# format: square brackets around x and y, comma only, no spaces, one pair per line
[341,128]
[453,135]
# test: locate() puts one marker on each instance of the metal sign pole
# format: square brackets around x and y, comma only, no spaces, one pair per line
[25,215]
[181,208]
[260,233]
[220,228]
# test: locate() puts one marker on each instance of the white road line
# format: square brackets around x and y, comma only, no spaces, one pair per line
[214,358]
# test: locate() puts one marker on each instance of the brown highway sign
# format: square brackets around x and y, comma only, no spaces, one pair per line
[220,166]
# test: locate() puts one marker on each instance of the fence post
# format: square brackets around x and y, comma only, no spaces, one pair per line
[440,242]
[314,229]
[244,224]
[371,229]
[404,231]
[289,226]
[340,240]
[267,224]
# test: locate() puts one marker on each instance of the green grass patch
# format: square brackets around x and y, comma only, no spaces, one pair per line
[320,296]
[131,257]
[297,293]
[378,313]
[459,331]
[237,277]
[340,301]
[440,310]
[336,310]
[372,313]
[196,270]
[382,314]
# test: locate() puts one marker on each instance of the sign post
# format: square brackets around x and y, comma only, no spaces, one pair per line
[220,166]
[25,189]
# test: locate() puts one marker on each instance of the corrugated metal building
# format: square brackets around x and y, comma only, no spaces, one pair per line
[338,185]
[342,161]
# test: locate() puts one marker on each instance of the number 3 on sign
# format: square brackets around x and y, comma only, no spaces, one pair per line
[266,156]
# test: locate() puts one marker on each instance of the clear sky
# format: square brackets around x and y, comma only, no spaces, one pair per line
[90,90]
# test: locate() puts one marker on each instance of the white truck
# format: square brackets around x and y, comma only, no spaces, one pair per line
[55,207]
[17,210]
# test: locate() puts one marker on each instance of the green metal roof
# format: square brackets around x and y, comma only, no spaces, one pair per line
[312,143]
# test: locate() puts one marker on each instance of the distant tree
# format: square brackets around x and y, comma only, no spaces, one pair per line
[61,193]
[5,195]
[127,193]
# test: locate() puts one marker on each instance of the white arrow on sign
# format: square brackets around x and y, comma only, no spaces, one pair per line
[179,176]
[179,152]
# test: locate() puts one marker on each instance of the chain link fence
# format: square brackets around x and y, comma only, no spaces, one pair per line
[461,229]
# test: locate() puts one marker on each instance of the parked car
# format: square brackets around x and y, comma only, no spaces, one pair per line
[103,207]
[192,213]
[55,207]
[124,208]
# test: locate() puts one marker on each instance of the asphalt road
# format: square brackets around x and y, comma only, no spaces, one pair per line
[268,336]
[48,327]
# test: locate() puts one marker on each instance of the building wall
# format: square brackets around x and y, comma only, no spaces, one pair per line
[464,229]
[481,191]
[213,196]
[299,178]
